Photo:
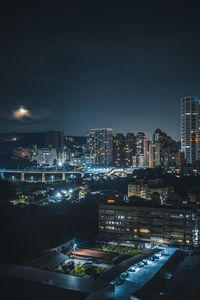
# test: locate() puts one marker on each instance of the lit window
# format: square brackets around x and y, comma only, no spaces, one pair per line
[111,201]
[144,230]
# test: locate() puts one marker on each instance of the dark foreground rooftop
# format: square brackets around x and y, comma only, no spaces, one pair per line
[15,288]
[51,259]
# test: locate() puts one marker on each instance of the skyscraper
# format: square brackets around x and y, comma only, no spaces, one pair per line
[123,150]
[100,144]
[141,150]
[154,151]
[118,146]
[168,148]
[55,140]
[190,127]
[151,154]
[129,149]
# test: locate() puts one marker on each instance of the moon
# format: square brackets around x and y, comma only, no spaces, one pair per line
[21,113]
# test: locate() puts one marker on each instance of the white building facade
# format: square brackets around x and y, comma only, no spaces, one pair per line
[190,128]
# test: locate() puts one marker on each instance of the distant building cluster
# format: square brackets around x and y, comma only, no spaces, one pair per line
[52,150]
[131,150]
[101,148]
[150,189]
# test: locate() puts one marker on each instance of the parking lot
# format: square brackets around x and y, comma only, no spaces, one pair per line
[142,274]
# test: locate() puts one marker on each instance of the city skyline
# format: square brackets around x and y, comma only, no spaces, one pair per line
[135,133]
[100,150]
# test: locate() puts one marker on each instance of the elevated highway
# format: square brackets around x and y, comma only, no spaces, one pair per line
[22,174]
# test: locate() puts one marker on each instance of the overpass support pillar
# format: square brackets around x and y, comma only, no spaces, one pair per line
[43,177]
[63,176]
[22,176]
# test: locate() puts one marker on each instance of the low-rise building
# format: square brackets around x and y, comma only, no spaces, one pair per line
[145,223]
[145,189]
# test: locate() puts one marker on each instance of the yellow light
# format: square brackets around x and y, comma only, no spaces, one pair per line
[144,230]
[111,201]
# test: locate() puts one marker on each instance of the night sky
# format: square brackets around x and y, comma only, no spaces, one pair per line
[79,66]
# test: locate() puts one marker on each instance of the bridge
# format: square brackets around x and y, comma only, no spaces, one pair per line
[42,174]
[109,170]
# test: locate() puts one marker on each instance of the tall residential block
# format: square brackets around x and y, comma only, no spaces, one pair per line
[190,127]
[118,146]
[141,148]
[100,144]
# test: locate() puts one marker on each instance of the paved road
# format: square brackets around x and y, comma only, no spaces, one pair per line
[139,278]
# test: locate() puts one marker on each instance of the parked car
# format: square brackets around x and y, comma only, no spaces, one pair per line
[119,280]
[124,275]
[145,261]
[131,269]
[152,258]
[158,254]
[90,259]
[87,263]
[140,264]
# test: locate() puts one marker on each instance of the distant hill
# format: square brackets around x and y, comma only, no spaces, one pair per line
[23,139]
[71,141]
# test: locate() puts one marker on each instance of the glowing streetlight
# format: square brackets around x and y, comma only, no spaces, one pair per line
[58,195]
[70,191]
[75,245]
[60,164]
[52,177]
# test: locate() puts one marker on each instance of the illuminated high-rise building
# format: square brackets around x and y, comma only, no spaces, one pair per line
[129,149]
[151,154]
[118,146]
[190,127]
[123,150]
[141,145]
[154,152]
[55,140]
[180,158]
[100,144]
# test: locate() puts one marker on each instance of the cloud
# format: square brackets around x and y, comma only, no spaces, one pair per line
[21,113]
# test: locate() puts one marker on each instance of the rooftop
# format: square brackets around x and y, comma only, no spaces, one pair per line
[95,254]
[51,259]
[140,202]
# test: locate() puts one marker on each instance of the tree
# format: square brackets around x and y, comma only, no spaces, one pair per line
[79,271]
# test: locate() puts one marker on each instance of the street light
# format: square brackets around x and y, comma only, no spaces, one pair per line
[60,164]
[70,191]
[52,178]
[13,178]
[75,245]
[58,195]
